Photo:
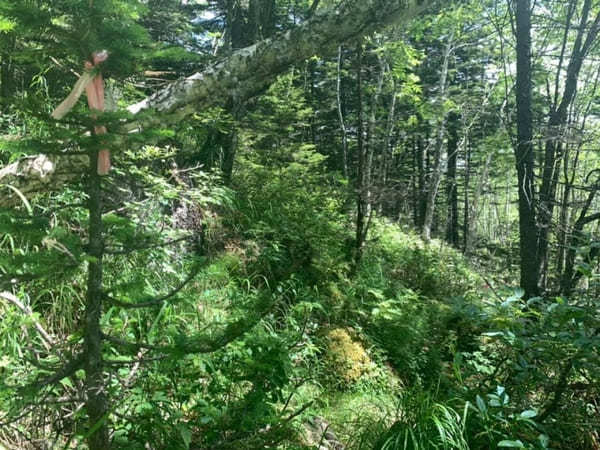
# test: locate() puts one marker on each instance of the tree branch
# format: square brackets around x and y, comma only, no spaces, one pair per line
[245,74]
[202,343]
[65,371]
[46,338]
[156,301]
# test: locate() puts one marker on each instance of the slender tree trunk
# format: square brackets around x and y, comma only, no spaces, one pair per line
[365,157]
[229,152]
[6,69]
[564,216]
[245,26]
[241,31]
[435,177]
[466,202]
[471,228]
[452,191]
[96,400]
[569,277]
[361,200]
[421,149]
[415,182]
[436,172]
[341,114]
[524,153]
[556,127]
[373,141]
[569,182]
[389,131]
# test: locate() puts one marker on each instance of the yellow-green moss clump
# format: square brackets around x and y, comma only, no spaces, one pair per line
[346,360]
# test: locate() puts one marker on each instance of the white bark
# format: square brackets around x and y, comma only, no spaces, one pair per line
[245,74]
[251,70]
[436,171]
[40,173]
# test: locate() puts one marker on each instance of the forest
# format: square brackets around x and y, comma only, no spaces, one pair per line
[299,224]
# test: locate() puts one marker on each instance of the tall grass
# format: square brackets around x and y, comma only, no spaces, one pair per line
[423,424]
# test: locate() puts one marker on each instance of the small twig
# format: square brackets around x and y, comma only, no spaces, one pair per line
[296,386]
[46,338]
[130,378]
[491,286]
[127,250]
[313,8]
[55,61]
[298,412]
[155,301]
[65,371]
[559,390]
[129,344]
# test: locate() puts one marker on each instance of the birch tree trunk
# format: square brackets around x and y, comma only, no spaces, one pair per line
[436,171]
[341,114]
[243,75]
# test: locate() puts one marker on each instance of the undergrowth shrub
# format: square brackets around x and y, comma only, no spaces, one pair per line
[345,359]
[544,352]
[432,270]
[416,302]
[286,201]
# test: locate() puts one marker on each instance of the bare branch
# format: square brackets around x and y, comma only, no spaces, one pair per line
[46,338]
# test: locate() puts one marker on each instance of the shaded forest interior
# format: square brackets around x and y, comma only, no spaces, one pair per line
[299,224]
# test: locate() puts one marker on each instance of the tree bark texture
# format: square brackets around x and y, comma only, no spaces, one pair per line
[452,191]
[466,199]
[96,399]
[524,153]
[421,200]
[341,114]
[362,200]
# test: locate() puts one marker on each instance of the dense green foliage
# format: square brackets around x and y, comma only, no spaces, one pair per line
[238,307]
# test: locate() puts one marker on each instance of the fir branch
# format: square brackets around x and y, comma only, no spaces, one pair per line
[156,301]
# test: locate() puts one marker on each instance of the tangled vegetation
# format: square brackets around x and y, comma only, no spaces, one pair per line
[288,265]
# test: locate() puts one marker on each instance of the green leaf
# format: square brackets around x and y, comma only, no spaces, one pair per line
[66,382]
[528,414]
[6,25]
[511,444]
[186,435]
[377,294]
[493,333]
[481,404]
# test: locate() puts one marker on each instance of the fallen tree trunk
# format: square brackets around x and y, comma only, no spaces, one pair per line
[245,74]
[39,173]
